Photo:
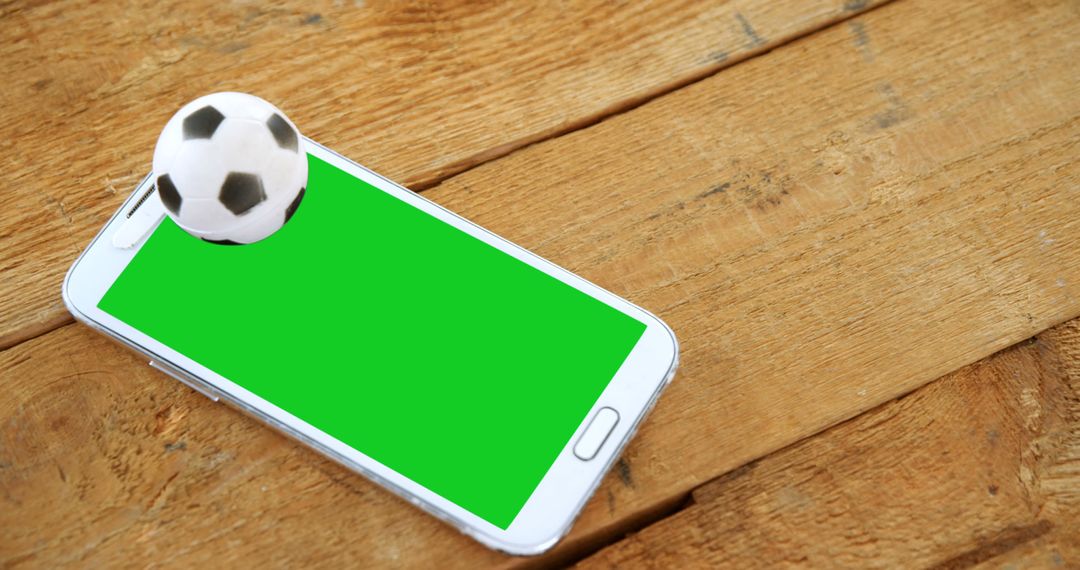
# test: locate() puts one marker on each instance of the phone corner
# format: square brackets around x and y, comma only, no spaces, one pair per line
[65,291]
[69,294]
[671,345]
[525,549]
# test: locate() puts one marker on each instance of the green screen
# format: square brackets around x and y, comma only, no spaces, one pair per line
[439,356]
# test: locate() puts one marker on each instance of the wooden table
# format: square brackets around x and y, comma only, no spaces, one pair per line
[861,217]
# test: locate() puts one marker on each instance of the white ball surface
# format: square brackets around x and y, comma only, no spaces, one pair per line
[230,168]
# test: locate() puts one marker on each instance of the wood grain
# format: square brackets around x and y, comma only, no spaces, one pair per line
[980,467]
[826,226]
[418,91]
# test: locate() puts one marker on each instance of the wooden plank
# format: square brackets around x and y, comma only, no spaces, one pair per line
[418,91]
[827,226]
[980,467]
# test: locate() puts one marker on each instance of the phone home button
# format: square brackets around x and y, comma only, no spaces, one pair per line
[597,432]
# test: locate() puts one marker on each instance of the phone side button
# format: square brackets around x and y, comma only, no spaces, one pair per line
[190,382]
[596,434]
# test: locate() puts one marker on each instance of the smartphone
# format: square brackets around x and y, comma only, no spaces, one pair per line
[477,380]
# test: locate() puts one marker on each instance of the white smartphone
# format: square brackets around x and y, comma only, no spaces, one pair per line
[480,382]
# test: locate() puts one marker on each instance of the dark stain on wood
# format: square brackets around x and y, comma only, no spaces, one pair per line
[622,467]
[719,188]
[862,40]
[232,47]
[896,112]
[755,39]
[719,56]
[175,446]
[1005,541]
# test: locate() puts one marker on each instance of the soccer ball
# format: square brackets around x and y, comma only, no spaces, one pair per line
[230,168]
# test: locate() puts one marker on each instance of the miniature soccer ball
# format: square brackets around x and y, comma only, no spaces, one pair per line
[230,168]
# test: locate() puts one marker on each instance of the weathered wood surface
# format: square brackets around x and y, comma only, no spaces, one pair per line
[827,226]
[982,466]
[416,91]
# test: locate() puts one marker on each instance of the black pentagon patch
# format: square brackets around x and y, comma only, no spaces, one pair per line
[283,132]
[169,196]
[222,241]
[241,192]
[202,123]
[295,204]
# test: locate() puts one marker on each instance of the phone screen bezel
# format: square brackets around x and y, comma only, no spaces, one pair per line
[562,493]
